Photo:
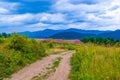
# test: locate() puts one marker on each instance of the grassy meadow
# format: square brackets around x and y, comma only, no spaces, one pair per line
[95,62]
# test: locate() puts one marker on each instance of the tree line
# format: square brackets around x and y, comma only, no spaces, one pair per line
[5,35]
[100,40]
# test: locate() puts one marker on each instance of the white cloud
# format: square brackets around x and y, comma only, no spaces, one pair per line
[14,20]
[37,25]
[28,18]
[3,11]
[67,26]
[54,18]
[8,7]
[103,14]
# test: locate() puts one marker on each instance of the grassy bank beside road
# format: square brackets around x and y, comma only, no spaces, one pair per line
[94,62]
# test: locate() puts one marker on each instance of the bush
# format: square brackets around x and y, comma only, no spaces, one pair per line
[17,52]
[17,42]
[117,44]
[2,40]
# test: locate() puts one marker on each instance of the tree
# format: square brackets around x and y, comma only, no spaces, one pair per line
[112,41]
[107,41]
[4,35]
[92,39]
[99,40]
[85,39]
[0,35]
[117,41]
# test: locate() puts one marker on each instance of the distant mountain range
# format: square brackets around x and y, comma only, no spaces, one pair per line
[40,34]
[71,34]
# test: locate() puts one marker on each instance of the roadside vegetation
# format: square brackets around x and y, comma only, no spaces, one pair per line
[95,62]
[17,51]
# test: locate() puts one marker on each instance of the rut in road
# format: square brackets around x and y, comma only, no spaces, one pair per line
[39,67]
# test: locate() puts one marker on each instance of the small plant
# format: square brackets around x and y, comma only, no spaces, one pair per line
[2,40]
[56,62]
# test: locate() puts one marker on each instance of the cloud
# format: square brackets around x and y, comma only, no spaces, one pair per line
[30,21]
[59,14]
[53,18]
[98,13]
[8,7]
[3,11]
[17,19]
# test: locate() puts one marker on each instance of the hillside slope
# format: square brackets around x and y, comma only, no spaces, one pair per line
[113,34]
[70,35]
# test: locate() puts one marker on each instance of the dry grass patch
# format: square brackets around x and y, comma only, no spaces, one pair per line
[55,50]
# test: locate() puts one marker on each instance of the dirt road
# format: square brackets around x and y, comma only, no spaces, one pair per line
[39,67]
[63,69]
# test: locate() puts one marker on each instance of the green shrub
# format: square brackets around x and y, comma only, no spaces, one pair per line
[18,42]
[117,44]
[2,40]
[17,52]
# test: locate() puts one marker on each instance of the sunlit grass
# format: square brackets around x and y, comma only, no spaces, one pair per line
[93,62]
[55,50]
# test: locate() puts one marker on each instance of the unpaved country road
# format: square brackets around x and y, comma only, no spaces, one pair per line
[63,69]
[40,66]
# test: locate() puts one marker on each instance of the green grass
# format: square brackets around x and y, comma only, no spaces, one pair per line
[94,62]
[56,62]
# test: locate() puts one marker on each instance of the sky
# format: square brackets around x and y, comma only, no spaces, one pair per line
[34,15]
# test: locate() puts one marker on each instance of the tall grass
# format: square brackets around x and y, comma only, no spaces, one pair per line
[94,62]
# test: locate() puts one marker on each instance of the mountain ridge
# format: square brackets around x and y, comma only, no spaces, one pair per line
[50,33]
